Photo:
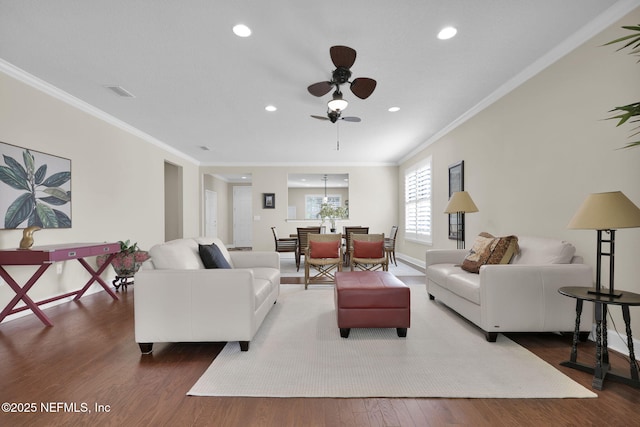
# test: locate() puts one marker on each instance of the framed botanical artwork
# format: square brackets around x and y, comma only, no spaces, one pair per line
[35,189]
[456,183]
[268,201]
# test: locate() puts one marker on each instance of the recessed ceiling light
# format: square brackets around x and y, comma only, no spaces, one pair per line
[242,30]
[205,148]
[270,108]
[394,109]
[447,33]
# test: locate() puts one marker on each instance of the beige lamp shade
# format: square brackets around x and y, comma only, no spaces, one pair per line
[606,211]
[460,202]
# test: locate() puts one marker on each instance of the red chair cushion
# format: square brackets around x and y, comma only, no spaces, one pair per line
[324,249]
[368,249]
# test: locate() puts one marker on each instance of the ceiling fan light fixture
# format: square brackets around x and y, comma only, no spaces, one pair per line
[447,32]
[337,103]
[241,30]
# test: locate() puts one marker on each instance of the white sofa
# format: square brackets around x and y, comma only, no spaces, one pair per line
[178,300]
[521,296]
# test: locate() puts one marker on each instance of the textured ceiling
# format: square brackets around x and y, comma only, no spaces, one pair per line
[197,84]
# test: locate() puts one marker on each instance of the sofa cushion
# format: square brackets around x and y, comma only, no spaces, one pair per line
[212,256]
[362,249]
[465,285]
[324,249]
[540,250]
[179,254]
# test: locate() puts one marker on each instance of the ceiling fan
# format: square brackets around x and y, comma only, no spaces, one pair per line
[334,116]
[343,58]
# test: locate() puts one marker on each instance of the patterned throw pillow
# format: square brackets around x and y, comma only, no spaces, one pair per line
[488,249]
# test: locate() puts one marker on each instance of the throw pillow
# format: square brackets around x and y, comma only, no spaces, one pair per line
[479,253]
[212,256]
[503,249]
[363,249]
[324,249]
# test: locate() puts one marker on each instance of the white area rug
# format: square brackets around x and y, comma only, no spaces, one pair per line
[288,268]
[298,352]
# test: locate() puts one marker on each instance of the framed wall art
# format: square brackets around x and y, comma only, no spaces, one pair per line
[35,189]
[456,183]
[268,201]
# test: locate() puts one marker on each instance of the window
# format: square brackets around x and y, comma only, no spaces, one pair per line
[313,203]
[417,197]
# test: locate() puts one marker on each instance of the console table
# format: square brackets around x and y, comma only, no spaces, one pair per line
[602,368]
[45,256]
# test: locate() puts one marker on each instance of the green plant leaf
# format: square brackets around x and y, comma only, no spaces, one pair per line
[58,193]
[16,167]
[28,161]
[13,180]
[19,210]
[57,179]
[63,220]
[40,174]
[46,215]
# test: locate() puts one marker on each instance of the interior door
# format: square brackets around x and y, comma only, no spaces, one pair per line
[211,213]
[242,216]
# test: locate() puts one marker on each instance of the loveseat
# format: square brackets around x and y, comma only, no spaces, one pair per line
[521,296]
[177,299]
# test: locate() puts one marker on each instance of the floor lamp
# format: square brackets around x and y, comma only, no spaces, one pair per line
[606,212]
[459,204]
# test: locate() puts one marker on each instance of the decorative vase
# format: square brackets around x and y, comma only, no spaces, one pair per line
[126,265]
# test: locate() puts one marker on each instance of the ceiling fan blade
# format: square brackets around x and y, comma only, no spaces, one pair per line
[342,56]
[351,119]
[319,117]
[362,87]
[320,88]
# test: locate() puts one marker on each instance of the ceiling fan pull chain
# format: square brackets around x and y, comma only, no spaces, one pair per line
[338,137]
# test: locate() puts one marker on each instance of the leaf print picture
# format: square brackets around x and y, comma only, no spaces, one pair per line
[35,189]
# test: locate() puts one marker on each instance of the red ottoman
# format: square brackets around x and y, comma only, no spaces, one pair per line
[371,299]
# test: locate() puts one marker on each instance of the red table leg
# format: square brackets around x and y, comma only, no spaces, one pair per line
[21,294]
[95,276]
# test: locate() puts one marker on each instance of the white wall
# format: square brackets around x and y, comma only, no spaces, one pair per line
[532,157]
[117,191]
[372,198]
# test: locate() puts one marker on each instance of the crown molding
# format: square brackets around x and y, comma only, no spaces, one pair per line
[593,28]
[47,88]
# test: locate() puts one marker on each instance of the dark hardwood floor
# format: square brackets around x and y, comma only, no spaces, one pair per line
[88,370]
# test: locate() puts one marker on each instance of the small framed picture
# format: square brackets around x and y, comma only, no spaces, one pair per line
[268,201]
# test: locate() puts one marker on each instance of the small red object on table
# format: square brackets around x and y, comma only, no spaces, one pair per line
[45,256]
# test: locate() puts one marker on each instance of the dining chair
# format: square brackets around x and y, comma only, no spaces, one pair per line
[348,231]
[367,252]
[303,232]
[284,244]
[323,254]
[390,244]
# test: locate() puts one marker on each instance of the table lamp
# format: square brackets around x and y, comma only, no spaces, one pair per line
[606,212]
[459,204]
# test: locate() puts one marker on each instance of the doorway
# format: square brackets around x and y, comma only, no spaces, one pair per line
[242,216]
[211,213]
